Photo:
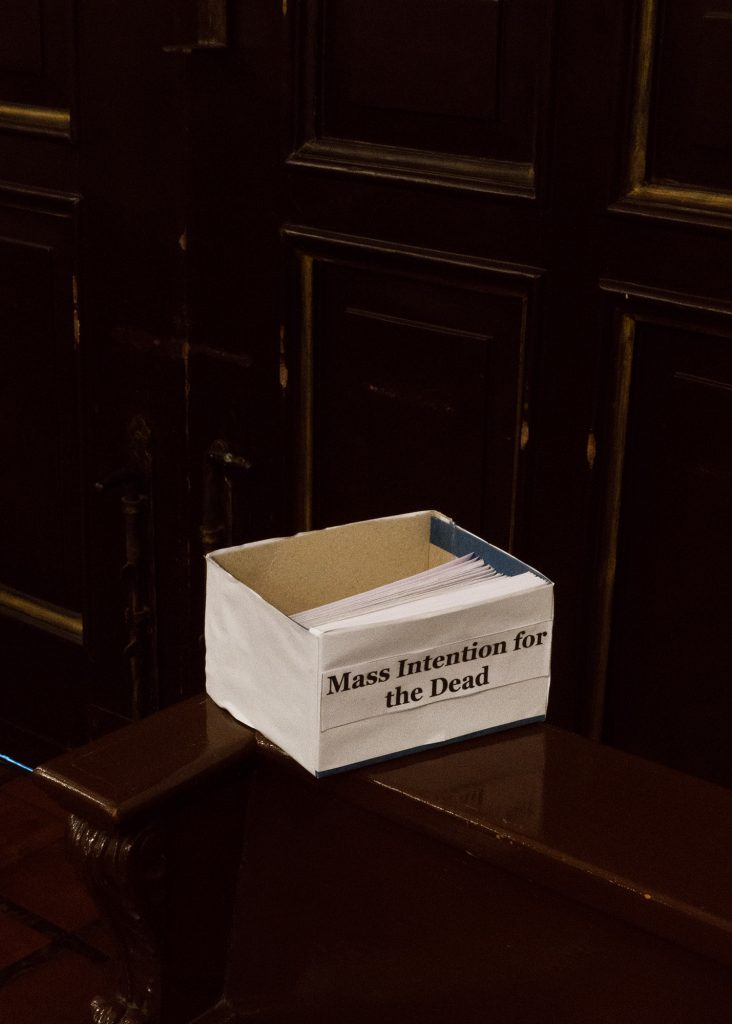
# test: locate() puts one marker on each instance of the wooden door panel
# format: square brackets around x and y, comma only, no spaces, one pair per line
[40,547]
[452,93]
[412,381]
[21,45]
[661,684]
[44,689]
[667,685]
[41,540]
[131,243]
[37,64]
[437,76]
[691,123]
[680,130]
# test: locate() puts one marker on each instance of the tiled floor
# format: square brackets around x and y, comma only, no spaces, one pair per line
[54,953]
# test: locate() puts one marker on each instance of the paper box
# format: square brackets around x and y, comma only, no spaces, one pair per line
[336,698]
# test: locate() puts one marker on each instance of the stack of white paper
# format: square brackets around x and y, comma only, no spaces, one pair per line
[441,579]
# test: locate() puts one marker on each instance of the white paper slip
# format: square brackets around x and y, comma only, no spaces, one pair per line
[451,671]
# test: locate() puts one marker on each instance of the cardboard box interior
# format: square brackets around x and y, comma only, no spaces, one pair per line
[310,569]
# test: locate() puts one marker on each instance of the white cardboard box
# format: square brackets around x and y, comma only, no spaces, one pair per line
[336,698]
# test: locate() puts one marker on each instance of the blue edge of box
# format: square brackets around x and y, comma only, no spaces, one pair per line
[446,535]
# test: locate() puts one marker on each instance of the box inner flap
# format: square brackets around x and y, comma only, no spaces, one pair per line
[310,569]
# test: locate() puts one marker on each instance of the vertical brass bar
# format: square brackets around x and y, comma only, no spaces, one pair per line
[137,611]
[521,427]
[139,571]
[640,116]
[611,524]
[305,476]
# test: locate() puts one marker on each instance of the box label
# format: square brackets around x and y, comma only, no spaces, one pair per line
[415,679]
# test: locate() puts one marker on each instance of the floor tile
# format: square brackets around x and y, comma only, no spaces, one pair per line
[47,885]
[7,772]
[25,788]
[58,991]
[17,940]
[55,954]
[24,828]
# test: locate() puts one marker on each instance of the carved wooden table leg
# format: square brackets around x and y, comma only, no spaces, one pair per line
[159,849]
[126,874]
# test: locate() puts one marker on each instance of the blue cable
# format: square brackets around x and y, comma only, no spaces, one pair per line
[4,757]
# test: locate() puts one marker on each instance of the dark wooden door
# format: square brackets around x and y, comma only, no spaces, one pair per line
[336,260]
[393,219]
[662,675]
[93,477]
[506,294]
[41,545]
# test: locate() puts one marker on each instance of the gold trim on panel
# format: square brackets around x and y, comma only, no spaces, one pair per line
[41,201]
[391,163]
[679,300]
[641,195]
[507,279]
[611,522]
[637,166]
[305,477]
[21,117]
[678,202]
[297,234]
[43,615]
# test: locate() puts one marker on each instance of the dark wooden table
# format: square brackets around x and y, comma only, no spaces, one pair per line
[529,876]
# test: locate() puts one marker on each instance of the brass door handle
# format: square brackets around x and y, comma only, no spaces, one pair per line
[212,28]
[218,500]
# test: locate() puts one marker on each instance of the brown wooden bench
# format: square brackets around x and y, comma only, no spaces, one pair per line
[527,877]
